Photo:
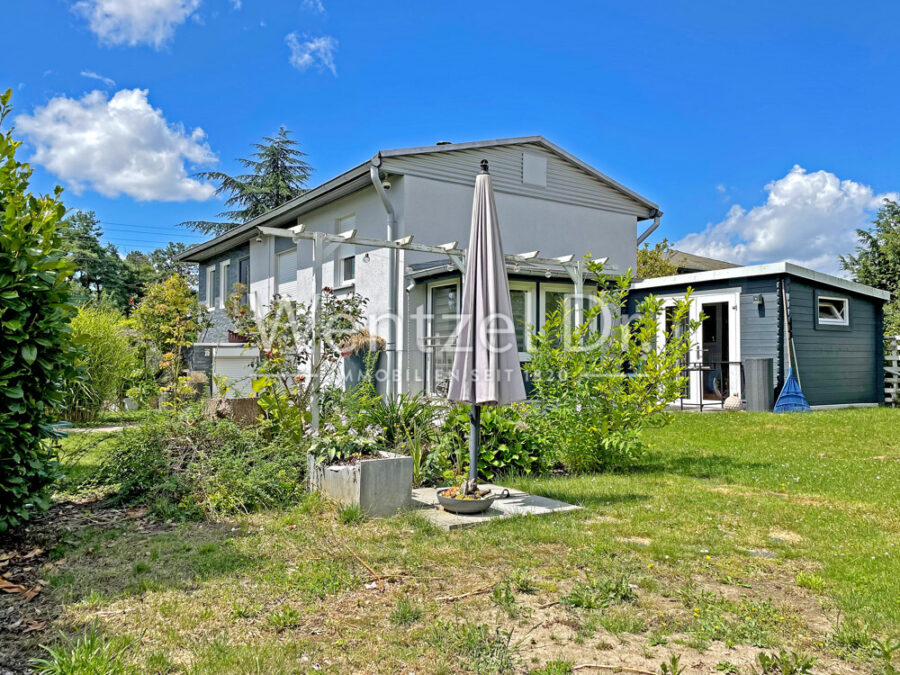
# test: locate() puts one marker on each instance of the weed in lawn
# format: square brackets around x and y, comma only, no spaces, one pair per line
[657,639]
[672,666]
[239,612]
[852,636]
[405,613]
[523,582]
[88,653]
[284,618]
[810,580]
[553,668]
[753,622]
[503,597]
[140,568]
[618,620]
[475,647]
[600,593]
[352,514]
[885,650]
[783,663]
[727,667]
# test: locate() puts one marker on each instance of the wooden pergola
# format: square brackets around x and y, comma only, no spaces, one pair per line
[325,244]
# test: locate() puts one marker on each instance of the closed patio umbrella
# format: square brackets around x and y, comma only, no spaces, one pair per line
[486,364]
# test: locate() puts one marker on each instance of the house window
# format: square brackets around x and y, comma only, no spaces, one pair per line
[442,338]
[286,272]
[348,269]
[224,268]
[521,295]
[834,311]
[211,286]
[244,279]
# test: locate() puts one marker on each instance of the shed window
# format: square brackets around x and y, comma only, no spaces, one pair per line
[834,311]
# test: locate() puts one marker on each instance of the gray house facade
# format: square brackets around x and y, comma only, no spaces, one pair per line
[837,328]
[547,201]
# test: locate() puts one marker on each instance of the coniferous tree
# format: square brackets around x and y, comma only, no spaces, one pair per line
[276,173]
[877,260]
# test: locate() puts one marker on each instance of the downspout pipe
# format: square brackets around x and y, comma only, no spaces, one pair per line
[656,214]
[374,174]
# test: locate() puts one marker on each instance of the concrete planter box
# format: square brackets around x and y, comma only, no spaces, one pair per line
[381,486]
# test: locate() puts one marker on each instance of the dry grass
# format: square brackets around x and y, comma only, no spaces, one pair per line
[724,552]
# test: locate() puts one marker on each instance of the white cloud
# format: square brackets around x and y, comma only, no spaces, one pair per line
[808,218]
[116,146]
[314,5]
[108,81]
[133,22]
[317,52]
[236,4]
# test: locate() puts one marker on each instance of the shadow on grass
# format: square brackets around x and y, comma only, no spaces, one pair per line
[105,564]
[694,466]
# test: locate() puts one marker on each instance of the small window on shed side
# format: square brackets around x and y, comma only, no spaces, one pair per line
[833,311]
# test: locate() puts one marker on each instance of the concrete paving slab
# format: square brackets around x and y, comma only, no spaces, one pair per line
[517,504]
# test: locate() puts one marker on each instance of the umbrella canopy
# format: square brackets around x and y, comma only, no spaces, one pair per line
[486,364]
[486,367]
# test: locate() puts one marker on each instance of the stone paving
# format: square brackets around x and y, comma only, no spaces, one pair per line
[517,504]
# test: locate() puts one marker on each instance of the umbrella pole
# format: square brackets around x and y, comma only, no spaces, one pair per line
[474,442]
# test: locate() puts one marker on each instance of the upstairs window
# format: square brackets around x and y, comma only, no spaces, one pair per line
[244,279]
[348,269]
[833,311]
[211,286]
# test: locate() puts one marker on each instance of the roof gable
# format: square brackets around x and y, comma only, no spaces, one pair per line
[568,179]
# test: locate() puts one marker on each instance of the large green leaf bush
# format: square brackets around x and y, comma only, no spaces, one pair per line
[36,353]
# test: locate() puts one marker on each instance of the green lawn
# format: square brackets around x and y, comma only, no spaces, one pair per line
[738,532]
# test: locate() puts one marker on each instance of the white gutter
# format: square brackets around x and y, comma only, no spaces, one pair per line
[650,230]
[392,275]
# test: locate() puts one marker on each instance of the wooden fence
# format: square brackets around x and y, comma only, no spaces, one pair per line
[892,371]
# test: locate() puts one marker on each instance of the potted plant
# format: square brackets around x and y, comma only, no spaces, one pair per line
[349,467]
[362,355]
[457,499]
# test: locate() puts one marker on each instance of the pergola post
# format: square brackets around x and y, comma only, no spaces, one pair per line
[318,256]
[324,244]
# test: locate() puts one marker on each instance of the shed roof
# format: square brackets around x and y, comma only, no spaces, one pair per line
[769,269]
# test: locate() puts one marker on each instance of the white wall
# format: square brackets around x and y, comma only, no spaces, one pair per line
[436,212]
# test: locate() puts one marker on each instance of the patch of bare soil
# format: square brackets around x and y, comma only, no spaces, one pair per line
[26,607]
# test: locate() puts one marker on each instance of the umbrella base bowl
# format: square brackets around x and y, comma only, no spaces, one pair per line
[465,506]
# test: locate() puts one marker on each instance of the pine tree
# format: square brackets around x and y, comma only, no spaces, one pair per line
[877,260]
[277,173]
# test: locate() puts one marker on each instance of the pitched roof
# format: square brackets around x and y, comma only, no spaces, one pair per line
[358,178]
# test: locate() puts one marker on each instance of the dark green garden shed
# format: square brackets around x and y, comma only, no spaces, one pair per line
[837,328]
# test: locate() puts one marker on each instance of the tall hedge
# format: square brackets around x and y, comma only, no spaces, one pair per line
[36,353]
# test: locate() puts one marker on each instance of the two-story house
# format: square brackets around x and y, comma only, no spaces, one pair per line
[547,200]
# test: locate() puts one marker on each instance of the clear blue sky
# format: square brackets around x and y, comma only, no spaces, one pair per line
[697,105]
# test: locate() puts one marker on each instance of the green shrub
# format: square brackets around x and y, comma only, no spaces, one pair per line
[598,388]
[510,441]
[36,355]
[184,465]
[107,357]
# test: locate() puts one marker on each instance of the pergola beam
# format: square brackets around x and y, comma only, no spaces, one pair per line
[324,244]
